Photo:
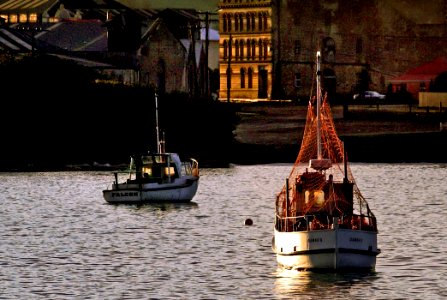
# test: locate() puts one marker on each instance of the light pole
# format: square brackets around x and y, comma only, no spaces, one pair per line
[230,50]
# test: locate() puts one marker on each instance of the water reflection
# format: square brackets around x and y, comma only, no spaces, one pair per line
[322,285]
[158,207]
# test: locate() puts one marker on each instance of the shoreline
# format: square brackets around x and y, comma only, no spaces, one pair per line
[265,133]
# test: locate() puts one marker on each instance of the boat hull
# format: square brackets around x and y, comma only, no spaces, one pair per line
[335,249]
[181,190]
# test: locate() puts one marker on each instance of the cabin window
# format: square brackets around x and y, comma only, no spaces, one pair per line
[314,198]
[169,171]
[147,170]
[319,197]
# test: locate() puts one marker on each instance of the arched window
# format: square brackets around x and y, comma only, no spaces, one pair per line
[261,48]
[229,23]
[224,23]
[237,49]
[241,22]
[242,78]
[225,49]
[297,48]
[229,72]
[248,21]
[236,22]
[266,49]
[329,50]
[265,21]
[359,46]
[250,78]
[241,49]
[260,21]
[248,49]
[253,22]
[253,49]
[230,48]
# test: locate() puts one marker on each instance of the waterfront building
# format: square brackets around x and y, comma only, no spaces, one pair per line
[364,44]
[245,42]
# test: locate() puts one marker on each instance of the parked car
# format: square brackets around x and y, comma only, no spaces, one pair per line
[369,95]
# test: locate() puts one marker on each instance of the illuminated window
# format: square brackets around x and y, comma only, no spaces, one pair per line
[241,49]
[23,18]
[13,19]
[32,18]
[319,197]
[5,17]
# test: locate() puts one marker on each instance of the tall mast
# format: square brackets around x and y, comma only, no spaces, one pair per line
[156,124]
[318,105]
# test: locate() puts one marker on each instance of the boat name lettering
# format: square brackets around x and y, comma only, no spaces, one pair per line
[354,239]
[315,240]
[124,194]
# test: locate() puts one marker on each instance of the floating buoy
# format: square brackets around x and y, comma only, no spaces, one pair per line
[248,222]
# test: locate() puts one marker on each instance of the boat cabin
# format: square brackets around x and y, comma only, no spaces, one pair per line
[157,167]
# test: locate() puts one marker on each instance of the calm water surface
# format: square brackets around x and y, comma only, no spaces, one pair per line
[61,240]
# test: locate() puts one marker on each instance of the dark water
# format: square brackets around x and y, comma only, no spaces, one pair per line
[60,240]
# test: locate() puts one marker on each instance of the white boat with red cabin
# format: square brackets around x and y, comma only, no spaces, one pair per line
[322,221]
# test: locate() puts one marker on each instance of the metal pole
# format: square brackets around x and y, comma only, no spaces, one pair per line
[318,105]
[230,50]
[156,124]
[207,46]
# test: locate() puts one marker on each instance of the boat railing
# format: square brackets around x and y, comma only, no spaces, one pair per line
[325,221]
[190,167]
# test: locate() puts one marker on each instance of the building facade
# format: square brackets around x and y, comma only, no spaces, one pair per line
[364,44]
[245,42]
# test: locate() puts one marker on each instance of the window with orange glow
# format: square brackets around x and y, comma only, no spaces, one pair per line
[23,18]
[32,18]
[13,18]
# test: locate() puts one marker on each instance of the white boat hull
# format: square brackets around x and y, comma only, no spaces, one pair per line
[180,190]
[326,249]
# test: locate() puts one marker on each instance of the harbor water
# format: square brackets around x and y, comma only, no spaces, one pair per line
[59,239]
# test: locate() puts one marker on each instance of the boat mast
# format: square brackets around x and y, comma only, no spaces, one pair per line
[156,124]
[318,106]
